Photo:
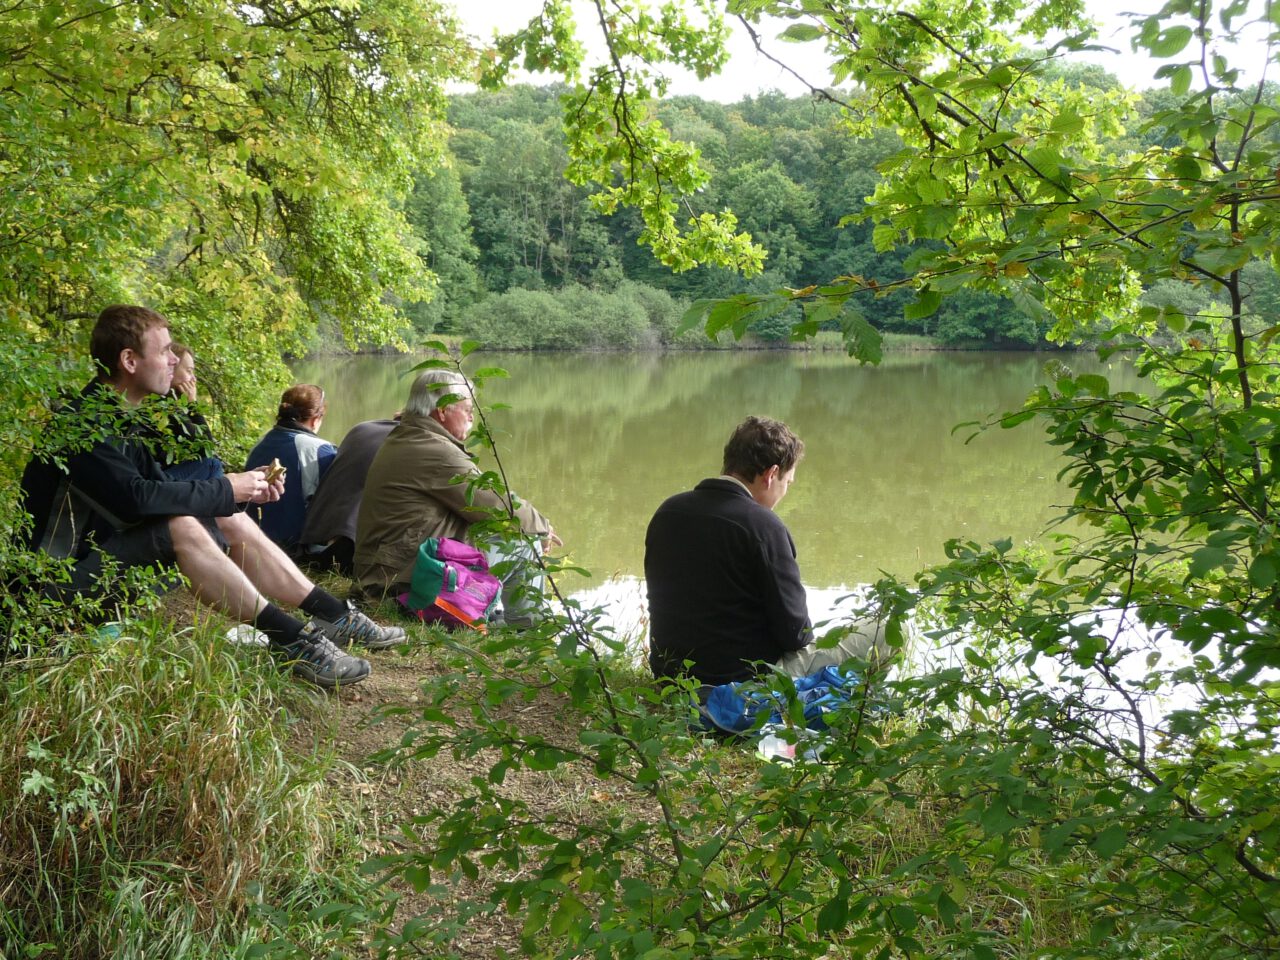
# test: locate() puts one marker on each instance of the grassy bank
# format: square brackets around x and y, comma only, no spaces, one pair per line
[165,795]
[170,795]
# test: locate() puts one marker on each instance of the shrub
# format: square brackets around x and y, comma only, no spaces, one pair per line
[662,311]
[572,318]
[605,320]
[516,320]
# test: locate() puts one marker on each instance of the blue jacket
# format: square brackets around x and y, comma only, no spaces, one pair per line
[306,457]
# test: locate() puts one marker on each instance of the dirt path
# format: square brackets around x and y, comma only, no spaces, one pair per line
[375,716]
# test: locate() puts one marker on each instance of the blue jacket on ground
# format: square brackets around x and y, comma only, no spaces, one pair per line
[734,708]
[306,457]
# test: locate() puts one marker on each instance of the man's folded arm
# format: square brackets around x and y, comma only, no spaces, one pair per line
[111,479]
[474,503]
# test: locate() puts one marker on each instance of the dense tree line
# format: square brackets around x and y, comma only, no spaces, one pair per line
[501,218]
[513,242]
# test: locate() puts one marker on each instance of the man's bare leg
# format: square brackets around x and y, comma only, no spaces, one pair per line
[219,581]
[215,579]
[265,565]
[277,576]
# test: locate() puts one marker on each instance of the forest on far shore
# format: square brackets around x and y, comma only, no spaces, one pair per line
[524,261]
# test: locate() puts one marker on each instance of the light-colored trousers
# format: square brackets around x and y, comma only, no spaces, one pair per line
[523,582]
[864,640]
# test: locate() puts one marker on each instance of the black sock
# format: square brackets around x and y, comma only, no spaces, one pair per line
[280,627]
[323,604]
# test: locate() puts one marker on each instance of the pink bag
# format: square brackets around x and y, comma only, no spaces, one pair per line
[451,583]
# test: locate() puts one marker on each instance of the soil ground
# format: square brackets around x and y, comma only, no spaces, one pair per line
[375,716]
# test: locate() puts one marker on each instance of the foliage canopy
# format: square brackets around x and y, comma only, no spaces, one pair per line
[237,165]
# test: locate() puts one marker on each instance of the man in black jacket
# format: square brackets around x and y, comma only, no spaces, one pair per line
[329,531]
[724,587]
[99,495]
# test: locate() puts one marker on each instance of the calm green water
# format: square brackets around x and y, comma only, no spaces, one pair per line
[597,441]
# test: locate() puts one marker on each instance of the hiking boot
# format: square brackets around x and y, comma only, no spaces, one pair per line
[355,627]
[314,658]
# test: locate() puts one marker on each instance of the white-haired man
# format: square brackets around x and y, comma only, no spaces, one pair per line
[413,492]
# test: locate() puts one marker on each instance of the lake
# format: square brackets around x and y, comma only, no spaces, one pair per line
[597,441]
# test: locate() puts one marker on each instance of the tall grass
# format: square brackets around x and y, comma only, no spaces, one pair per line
[152,801]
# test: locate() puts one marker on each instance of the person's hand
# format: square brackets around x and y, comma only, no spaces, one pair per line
[252,486]
[273,474]
[551,540]
[185,388]
[277,487]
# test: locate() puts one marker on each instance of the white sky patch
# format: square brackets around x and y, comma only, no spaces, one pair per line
[748,72]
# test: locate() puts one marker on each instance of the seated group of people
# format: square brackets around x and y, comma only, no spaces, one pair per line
[725,594]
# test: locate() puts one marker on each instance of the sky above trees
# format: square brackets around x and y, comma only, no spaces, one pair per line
[748,72]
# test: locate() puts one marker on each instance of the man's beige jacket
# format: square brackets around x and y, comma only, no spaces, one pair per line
[411,495]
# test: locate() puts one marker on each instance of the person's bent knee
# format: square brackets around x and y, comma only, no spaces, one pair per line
[188,533]
[238,528]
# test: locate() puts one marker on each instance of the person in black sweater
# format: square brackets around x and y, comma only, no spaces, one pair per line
[725,598]
[97,494]
[189,425]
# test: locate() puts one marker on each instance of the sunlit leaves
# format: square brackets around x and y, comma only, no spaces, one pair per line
[237,166]
[613,141]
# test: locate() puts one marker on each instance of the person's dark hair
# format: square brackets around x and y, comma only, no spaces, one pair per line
[180,350]
[119,328]
[757,444]
[301,402]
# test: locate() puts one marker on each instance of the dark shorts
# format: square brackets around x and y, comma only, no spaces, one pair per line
[148,544]
[208,468]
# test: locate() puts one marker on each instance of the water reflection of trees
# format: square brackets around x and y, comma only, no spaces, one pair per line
[598,440]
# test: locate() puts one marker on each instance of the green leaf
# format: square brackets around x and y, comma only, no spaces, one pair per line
[728,313]
[948,910]
[999,138]
[802,33]
[569,910]
[1180,81]
[820,311]
[418,875]
[1068,123]
[834,915]
[1109,841]
[37,782]
[1185,167]
[695,315]
[1014,419]
[904,917]
[1262,571]
[1205,560]
[926,304]
[432,363]
[1094,383]
[862,340]
[1171,41]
